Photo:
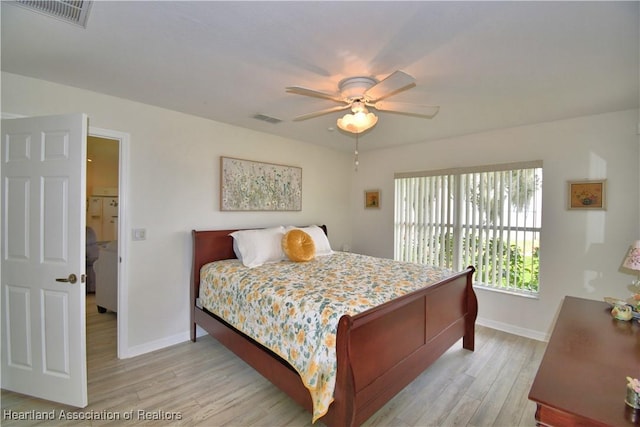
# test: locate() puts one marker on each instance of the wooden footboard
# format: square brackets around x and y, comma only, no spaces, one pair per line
[383,349]
[379,351]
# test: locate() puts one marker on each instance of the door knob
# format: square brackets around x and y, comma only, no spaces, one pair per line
[71,279]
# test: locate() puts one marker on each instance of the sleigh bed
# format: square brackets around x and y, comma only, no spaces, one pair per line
[377,351]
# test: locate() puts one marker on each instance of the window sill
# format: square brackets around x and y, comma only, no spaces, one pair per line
[528,295]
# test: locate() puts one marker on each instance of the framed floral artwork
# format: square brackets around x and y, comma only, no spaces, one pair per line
[587,194]
[247,185]
[372,199]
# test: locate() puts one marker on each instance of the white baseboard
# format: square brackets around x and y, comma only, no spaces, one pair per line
[200,332]
[161,343]
[6,115]
[156,345]
[505,327]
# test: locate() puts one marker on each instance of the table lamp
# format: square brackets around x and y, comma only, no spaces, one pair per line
[632,262]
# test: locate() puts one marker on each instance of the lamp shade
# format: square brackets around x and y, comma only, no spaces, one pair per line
[358,122]
[632,261]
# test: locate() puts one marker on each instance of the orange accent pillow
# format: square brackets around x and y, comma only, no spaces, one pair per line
[298,246]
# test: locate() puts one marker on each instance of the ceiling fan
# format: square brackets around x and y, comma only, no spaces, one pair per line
[358,93]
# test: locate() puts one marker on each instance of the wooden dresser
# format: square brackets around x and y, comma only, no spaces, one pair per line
[582,377]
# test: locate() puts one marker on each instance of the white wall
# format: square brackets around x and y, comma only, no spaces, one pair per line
[174,188]
[581,251]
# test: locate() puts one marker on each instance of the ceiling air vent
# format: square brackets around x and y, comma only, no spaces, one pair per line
[73,11]
[267,119]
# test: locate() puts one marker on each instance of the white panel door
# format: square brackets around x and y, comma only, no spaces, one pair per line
[43,248]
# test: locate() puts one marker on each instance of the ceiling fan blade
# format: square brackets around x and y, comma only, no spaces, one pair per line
[321,112]
[315,93]
[427,111]
[392,84]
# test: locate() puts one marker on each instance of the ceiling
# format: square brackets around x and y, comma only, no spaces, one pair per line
[488,65]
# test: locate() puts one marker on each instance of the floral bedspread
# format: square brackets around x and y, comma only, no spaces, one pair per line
[294,308]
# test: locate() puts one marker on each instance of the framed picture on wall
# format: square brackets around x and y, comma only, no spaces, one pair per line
[587,194]
[372,199]
[247,185]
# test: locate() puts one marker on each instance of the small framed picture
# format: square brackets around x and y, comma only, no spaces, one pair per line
[372,199]
[587,194]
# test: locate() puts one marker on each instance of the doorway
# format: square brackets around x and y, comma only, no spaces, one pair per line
[102,189]
[107,179]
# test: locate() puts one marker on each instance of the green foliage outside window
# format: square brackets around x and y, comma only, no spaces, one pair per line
[523,272]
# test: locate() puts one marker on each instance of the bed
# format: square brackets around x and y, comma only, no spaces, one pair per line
[377,351]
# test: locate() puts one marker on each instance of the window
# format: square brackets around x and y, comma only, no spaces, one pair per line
[489,217]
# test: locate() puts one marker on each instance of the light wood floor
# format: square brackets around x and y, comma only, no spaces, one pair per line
[204,384]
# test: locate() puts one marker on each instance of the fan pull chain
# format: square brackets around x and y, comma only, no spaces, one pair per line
[356,162]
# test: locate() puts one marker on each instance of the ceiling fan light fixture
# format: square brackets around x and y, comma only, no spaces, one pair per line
[359,92]
[359,121]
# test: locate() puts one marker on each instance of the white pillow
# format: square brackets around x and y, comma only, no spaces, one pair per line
[323,247]
[236,250]
[257,247]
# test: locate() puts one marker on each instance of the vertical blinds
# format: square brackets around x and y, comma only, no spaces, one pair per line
[488,217]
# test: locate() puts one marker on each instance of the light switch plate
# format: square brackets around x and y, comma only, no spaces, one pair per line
[139,234]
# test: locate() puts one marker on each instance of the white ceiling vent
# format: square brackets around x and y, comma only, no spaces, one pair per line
[267,119]
[73,11]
